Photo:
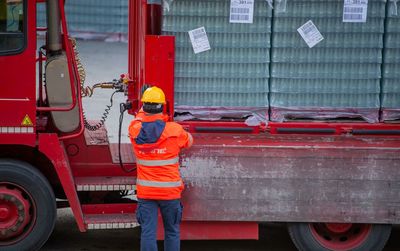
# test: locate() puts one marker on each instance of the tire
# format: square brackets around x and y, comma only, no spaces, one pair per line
[308,237]
[22,178]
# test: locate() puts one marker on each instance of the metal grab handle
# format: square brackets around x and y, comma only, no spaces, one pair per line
[375,132]
[223,129]
[306,130]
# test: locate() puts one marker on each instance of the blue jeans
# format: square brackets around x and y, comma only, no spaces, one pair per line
[147,216]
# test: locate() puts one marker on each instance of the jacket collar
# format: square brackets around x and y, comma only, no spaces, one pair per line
[147,117]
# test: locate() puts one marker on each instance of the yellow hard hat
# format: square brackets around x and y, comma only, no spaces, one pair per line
[153,95]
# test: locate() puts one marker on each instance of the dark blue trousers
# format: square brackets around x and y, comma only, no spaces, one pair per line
[147,213]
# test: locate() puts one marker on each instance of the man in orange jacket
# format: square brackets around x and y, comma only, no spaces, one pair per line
[156,144]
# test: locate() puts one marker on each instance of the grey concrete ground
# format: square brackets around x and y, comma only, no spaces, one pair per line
[66,237]
[103,62]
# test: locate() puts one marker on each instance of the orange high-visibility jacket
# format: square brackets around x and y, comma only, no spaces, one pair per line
[156,144]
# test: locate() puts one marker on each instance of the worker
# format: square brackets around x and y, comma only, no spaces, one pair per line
[157,144]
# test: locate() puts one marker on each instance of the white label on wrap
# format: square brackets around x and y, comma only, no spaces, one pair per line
[199,40]
[242,11]
[355,11]
[310,33]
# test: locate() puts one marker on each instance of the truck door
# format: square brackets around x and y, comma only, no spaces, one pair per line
[17,66]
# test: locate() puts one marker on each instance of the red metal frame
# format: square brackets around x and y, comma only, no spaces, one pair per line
[305,128]
[220,127]
[73,72]
[190,230]
[74,77]
[214,230]
[93,160]
[136,51]
[26,139]
[109,208]
[50,145]
[337,128]
[71,64]
[160,51]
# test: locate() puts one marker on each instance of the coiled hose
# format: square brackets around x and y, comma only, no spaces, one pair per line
[87,91]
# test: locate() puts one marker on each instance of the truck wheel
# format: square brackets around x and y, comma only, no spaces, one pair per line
[339,236]
[27,207]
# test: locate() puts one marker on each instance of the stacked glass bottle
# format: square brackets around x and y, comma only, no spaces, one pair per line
[231,79]
[340,76]
[391,67]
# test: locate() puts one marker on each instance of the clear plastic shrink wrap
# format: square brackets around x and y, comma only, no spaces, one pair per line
[231,79]
[391,66]
[337,78]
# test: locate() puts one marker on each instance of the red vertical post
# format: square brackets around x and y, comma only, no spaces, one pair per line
[154,17]
[137,32]
[160,60]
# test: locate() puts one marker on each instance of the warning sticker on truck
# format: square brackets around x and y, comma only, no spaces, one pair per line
[242,11]
[355,11]
[199,40]
[310,33]
[26,121]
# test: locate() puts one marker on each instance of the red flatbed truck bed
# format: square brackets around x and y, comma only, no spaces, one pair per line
[258,176]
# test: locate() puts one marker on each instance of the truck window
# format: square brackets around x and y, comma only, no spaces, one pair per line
[12,26]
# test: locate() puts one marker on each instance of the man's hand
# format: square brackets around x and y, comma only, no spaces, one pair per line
[190,140]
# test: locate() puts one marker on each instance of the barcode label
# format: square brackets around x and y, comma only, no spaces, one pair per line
[199,39]
[308,28]
[350,2]
[240,17]
[349,17]
[310,33]
[359,10]
[355,11]
[241,11]
[199,33]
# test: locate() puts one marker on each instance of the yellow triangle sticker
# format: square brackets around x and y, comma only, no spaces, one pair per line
[27,121]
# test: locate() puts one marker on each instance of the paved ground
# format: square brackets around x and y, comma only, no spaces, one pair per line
[103,62]
[273,237]
[67,236]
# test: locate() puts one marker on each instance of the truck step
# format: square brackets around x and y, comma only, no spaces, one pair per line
[105,183]
[110,221]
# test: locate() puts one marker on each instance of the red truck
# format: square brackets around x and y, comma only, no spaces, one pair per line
[336,185]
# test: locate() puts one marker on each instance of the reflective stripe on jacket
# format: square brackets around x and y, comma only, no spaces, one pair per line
[156,144]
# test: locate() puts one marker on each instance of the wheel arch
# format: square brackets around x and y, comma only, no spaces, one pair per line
[37,159]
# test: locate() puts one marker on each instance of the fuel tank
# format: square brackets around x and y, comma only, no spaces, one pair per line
[59,93]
